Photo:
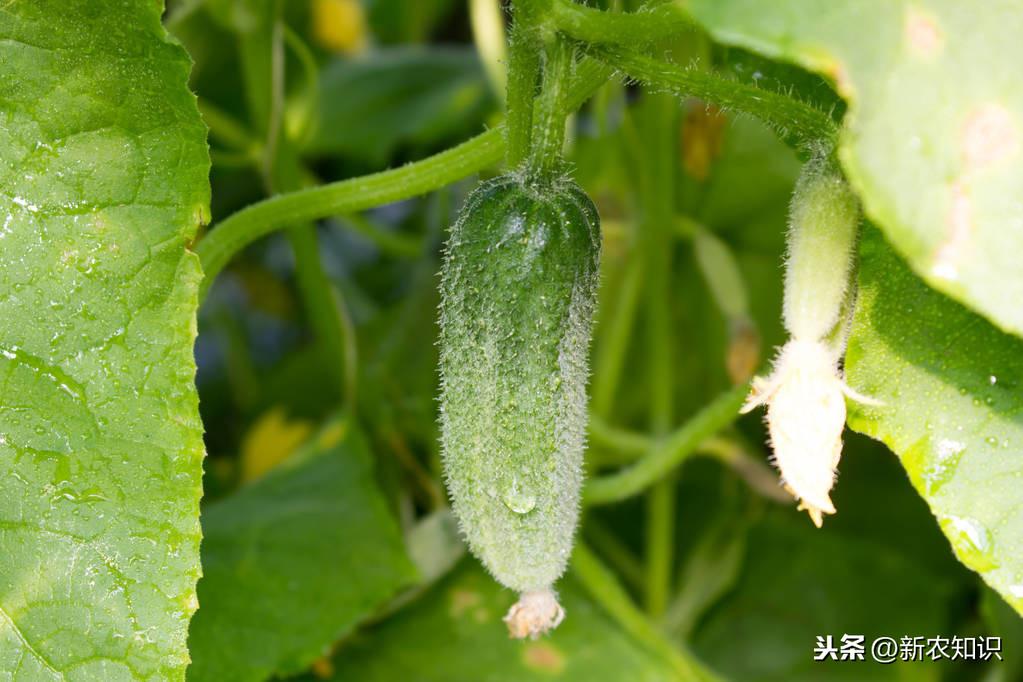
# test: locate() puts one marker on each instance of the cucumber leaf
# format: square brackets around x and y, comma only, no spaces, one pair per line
[934,131]
[953,410]
[103,181]
[294,561]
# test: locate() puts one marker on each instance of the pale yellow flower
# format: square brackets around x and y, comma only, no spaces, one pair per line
[805,398]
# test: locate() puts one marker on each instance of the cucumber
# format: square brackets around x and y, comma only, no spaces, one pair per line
[518,292]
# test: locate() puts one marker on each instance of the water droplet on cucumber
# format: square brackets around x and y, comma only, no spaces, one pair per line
[518,499]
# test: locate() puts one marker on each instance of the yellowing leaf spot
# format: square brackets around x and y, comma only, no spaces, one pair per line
[923,35]
[462,601]
[544,657]
[339,25]
[989,135]
[950,253]
[270,441]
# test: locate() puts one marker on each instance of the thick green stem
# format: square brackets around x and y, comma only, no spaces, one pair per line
[549,127]
[795,122]
[240,229]
[523,70]
[620,28]
[676,447]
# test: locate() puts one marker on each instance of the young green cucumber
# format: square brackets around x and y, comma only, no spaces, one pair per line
[518,292]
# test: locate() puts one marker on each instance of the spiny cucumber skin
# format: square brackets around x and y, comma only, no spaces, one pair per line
[518,292]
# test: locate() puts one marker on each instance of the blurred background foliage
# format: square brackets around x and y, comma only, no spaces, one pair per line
[328,550]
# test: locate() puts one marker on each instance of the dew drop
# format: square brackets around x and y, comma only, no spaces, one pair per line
[942,465]
[519,500]
[972,542]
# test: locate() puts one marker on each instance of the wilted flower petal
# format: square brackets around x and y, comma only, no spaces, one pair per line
[805,398]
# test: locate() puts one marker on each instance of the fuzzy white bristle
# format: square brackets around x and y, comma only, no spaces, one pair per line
[805,399]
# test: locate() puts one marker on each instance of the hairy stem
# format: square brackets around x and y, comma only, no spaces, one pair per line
[549,126]
[523,70]
[620,28]
[799,125]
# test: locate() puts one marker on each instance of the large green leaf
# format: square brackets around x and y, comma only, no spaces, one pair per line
[103,180]
[294,561]
[454,634]
[934,132]
[953,410]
